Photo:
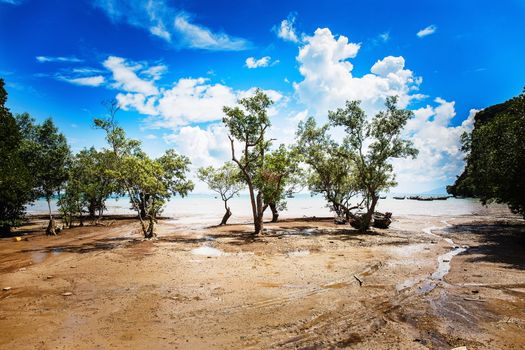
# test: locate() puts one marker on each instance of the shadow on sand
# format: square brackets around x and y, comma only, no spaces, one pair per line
[500,243]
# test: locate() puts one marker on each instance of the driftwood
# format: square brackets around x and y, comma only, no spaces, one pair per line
[359,280]
[382,220]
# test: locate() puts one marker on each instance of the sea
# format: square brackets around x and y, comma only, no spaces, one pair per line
[208,209]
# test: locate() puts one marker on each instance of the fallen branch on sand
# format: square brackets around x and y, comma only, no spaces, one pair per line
[359,280]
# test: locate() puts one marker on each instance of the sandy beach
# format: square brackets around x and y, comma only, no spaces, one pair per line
[427,282]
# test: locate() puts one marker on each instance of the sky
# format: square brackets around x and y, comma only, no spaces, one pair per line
[173,65]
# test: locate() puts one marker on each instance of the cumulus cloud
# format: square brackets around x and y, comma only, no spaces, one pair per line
[204,146]
[71,59]
[188,101]
[440,157]
[125,76]
[286,30]
[431,29]
[169,24]
[84,81]
[252,62]
[328,80]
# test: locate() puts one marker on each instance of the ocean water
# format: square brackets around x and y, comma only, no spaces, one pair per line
[204,209]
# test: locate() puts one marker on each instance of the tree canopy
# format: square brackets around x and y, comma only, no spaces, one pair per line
[147,182]
[16,180]
[226,181]
[247,123]
[495,156]
[330,174]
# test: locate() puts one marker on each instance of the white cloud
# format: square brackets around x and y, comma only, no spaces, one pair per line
[431,29]
[43,59]
[150,137]
[161,20]
[440,157]
[155,72]
[286,29]
[84,81]
[160,31]
[139,102]
[252,62]
[328,81]
[209,146]
[126,78]
[200,37]
[194,100]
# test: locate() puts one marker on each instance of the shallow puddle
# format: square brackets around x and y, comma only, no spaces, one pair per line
[207,251]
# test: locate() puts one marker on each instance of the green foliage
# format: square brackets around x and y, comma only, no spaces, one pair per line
[226,180]
[361,164]
[247,124]
[495,169]
[149,183]
[383,136]
[280,178]
[91,172]
[331,169]
[72,201]
[89,185]
[372,145]
[16,182]
[47,154]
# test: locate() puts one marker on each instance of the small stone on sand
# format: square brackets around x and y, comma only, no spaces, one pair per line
[7,288]
[66,294]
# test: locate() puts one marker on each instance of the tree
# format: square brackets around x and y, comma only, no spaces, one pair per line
[279,179]
[95,183]
[72,201]
[226,181]
[372,145]
[248,126]
[47,154]
[495,156]
[331,167]
[149,183]
[16,182]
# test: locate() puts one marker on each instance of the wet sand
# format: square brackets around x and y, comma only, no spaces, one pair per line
[427,282]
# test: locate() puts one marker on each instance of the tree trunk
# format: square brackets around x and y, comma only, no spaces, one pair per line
[52,226]
[275,213]
[226,216]
[258,222]
[100,212]
[367,218]
[143,200]
[150,232]
[91,209]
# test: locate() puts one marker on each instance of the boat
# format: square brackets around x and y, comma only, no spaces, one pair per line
[399,197]
[382,197]
[414,197]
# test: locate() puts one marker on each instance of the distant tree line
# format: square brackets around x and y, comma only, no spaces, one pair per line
[495,156]
[38,163]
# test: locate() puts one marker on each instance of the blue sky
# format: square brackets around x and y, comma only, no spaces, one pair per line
[173,64]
